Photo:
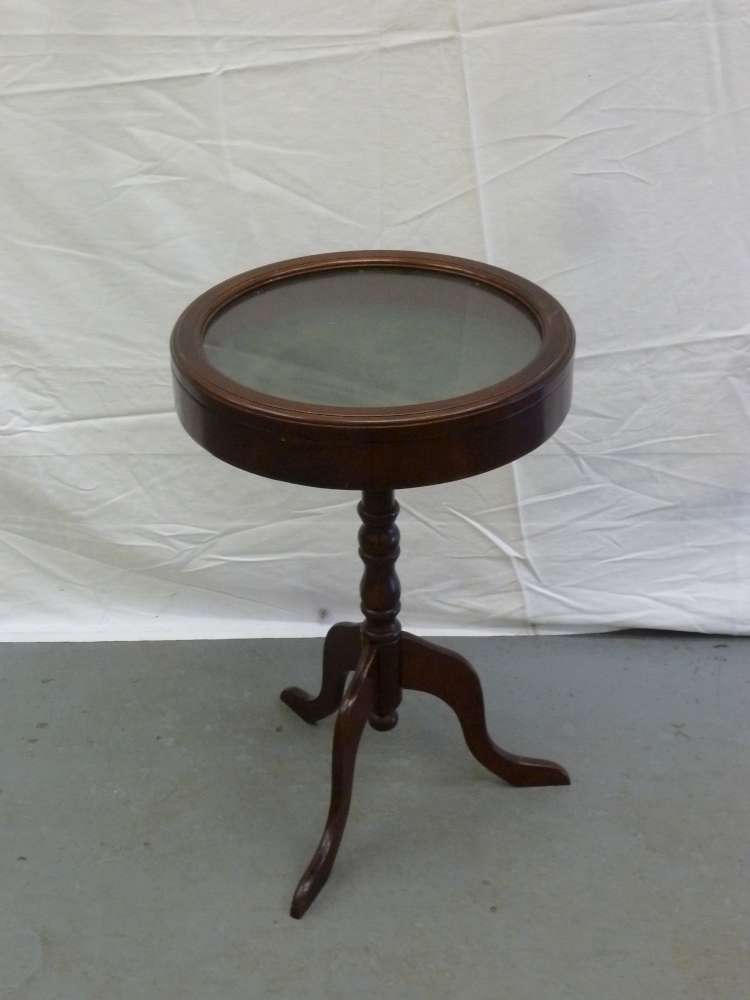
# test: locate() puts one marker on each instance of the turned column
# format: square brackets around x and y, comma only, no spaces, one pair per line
[380,591]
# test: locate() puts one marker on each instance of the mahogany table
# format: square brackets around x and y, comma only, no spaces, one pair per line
[373,371]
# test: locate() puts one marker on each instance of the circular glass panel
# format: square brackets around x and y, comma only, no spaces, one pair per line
[371,336]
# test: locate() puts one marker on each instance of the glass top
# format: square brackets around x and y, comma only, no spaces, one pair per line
[371,336]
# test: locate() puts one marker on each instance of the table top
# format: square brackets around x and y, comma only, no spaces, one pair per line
[372,369]
[371,336]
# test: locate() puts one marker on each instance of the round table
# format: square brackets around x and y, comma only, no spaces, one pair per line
[372,371]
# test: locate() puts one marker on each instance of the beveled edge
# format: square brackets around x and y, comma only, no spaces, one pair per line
[522,389]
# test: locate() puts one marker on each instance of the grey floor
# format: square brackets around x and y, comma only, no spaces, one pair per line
[159,803]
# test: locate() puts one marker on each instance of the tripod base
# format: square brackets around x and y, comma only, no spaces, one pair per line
[421,666]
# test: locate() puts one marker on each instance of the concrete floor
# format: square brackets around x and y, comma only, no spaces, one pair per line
[159,803]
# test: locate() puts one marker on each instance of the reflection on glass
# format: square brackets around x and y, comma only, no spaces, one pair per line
[371,337]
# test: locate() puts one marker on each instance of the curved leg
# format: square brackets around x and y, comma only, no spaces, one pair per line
[353,714]
[341,650]
[450,677]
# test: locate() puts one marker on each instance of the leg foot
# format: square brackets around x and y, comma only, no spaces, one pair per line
[383,722]
[340,652]
[447,675]
[353,714]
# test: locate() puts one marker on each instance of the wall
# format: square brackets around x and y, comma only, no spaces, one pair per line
[150,150]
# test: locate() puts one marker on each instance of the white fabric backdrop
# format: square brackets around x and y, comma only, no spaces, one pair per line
[599,147]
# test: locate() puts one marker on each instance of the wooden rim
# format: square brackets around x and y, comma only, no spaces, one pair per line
[524,388]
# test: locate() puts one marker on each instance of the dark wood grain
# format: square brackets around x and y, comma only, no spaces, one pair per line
[447,675]
[341,650]
[353,715]
[369,447]
[380,591]
[377,450]
[391,661]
